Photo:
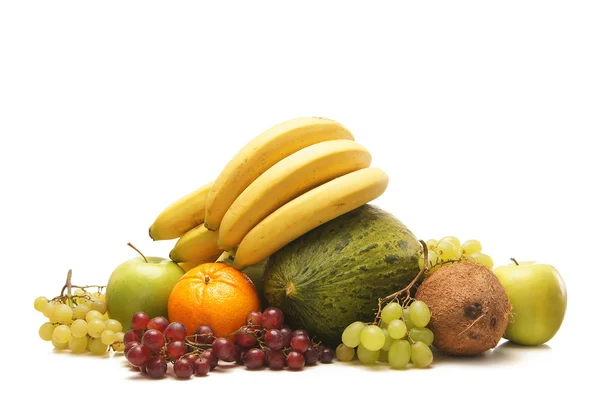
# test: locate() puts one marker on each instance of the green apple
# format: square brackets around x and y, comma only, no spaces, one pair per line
[141,284]
[538,296]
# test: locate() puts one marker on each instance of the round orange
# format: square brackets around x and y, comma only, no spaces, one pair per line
[213,294]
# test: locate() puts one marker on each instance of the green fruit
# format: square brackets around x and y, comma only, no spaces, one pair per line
[137,285]
[334,274]
[538,296]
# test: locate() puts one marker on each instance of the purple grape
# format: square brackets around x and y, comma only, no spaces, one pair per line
[272,318]
[311,356]
[156,367]
[254,359]
[183,368]
[223,349]
[204,335]
[326,354]
[154,340]
[245,337]
[202,366]
[300,343]
[276,360]
[295,361]
[274,339]
[287,336]
[158,323]
[139,355]
[175,332]
[176,349]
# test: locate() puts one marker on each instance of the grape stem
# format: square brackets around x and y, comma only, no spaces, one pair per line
[405,290]
[515,261]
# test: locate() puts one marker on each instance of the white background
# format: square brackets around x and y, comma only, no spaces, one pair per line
[486,118]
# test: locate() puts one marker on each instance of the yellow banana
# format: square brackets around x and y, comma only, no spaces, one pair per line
[181,216]
[188,265]
[196,244]
[308,211]
[286,180]
[260,154]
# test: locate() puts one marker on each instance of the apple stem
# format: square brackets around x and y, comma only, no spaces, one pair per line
[515,261]
[138,251]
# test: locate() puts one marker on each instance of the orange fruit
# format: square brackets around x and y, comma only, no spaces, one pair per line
[213,294]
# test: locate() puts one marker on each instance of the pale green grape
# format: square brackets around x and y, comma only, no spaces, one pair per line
[383,324]
[421,354]
[372,338]
[446,251]
[406,318]
[107,337]
[397,329]
[432,244]
[399,354]
[63,314]
[351,335]
[105,317]
[483,259]
[79,328]
[99,306]
[61,334]
[392,311]
[60,346]
[367,356]
[78,344]
[78,292]
[419,313]
[432,258]
[344,353]
[96,327]
[97,347]
[452,240]
[80,311]
[383,356]
[388,339]
[421,334]
[46,331]
[114,326]
[40,303]
[93,315]
[48,310]
[471,246]
[118,345]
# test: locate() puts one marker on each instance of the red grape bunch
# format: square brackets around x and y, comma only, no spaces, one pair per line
[263,342]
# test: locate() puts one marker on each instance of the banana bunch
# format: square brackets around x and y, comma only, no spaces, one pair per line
[283,183]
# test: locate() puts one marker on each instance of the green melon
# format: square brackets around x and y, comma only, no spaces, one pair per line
[334,274]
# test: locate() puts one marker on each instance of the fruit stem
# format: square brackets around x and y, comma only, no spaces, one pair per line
[138,251]
[406,289]
[515,261]
[68,287]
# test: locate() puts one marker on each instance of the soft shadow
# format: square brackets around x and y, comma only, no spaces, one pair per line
[506,353]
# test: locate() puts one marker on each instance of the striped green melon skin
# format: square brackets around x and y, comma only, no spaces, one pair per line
[334,274]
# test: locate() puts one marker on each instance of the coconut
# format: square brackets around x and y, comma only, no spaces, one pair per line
[469,308]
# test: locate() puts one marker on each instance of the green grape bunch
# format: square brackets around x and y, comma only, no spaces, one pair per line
[79,321]
[399,337]
[449,249]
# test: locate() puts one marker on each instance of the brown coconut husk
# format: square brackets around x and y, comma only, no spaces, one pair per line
[469,308]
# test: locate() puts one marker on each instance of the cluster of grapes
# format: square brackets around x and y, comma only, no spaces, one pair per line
[263,341]
[399,337]
[79,322]
[449,249]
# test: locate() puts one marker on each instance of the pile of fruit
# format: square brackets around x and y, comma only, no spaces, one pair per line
[287,226]
[263,342]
